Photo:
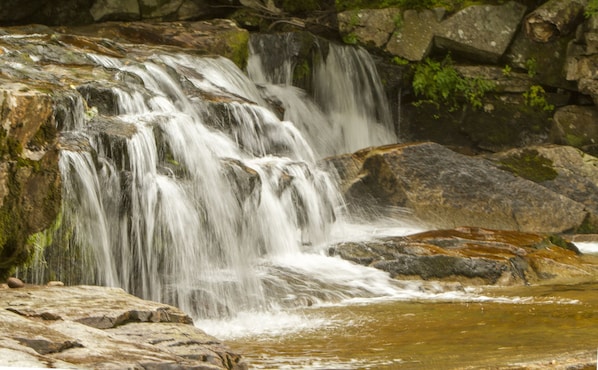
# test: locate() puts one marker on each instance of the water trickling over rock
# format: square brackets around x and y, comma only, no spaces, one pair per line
[182,184]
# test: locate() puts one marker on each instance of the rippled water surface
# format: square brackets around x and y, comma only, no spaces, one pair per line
[542,324]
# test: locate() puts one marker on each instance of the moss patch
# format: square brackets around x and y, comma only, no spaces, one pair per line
[530,165]
[238,47]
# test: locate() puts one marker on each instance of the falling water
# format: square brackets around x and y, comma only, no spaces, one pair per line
[349,109]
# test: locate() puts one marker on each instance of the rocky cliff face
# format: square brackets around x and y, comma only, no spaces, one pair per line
[30,191]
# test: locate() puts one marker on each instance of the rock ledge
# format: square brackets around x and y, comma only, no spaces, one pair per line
[98,327]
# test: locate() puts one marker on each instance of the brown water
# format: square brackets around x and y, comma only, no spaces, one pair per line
[440,335]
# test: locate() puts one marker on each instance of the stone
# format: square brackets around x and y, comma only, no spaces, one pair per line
[444,189]
[414,39]
[158,9]
[97,327]
[576,126]
[109,10]
[563,169]
[369,27]
[472,256]
[14,282]
[481,32]
[528,55]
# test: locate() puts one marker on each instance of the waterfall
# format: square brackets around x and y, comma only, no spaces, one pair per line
[348,108]
[186,182]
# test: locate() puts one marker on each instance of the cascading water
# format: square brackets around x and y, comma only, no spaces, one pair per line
[349,111]
[191,190]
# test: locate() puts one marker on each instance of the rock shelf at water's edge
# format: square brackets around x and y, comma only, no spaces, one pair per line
[100,327]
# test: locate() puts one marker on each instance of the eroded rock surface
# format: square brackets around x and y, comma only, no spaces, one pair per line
[97,327]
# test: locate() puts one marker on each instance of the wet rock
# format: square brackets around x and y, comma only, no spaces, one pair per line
[14,282]
[29,197]
[95,327]
[481,32]
[473,256]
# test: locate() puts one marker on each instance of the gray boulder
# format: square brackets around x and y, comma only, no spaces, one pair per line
[563,169]
[445,189]
[369,27]
[481,32]
[414,39]
[575,125]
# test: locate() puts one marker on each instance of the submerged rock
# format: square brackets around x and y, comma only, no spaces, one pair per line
[96,327]
[473,255]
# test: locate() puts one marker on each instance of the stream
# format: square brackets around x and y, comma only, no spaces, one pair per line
[544,324]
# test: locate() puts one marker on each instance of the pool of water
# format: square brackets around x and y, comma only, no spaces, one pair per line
[549,324]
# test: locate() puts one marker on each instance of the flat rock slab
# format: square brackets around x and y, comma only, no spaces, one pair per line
[473,256]
[98,327]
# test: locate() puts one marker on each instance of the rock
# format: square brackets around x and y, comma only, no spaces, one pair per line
[553,18]
[16,10]
[369,27]
[29,197]
[96,327]
[528,55]
[563,169]
[159,9]
[14,282]
[582,58]
[215,37]
[414,39]
[108,10]
[481,32]
[446,189]
[576,126]
[473,256]
[55,283]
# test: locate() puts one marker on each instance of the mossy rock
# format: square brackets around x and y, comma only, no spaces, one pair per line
[530,165]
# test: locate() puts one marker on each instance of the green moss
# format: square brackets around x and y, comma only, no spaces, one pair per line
[238,47]
[302,73]
[574,140]
[530,165]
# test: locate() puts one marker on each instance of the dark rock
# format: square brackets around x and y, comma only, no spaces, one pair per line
[14,282]
[576,126]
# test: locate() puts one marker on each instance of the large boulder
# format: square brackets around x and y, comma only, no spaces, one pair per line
[369,27]
[110,10]
[582,58]
[473,256]
[575,125]
[97,327]
[481,32]
[414,38]
[562,169]
[445,189]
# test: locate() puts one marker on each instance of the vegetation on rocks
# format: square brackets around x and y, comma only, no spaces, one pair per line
[530,165]
[440,82]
